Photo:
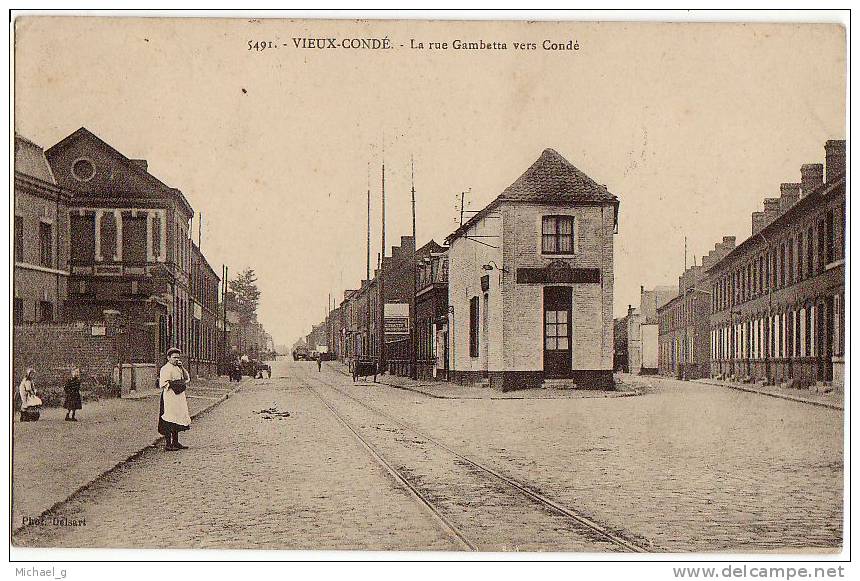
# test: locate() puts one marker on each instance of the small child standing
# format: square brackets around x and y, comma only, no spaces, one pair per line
[73,395]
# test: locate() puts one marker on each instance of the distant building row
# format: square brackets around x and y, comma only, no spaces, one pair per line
[770,309]
[520,296]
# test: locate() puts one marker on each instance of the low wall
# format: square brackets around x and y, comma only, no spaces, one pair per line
[52,349]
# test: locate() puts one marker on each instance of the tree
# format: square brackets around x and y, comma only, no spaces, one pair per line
[245,295]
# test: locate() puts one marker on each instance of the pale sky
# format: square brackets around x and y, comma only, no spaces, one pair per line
[690,125]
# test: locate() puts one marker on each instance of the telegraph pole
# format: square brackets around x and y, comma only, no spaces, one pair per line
[412,319]
[224,335]
[382,273]
[368,222]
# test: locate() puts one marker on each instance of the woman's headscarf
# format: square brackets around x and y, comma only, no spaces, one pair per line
[27,375]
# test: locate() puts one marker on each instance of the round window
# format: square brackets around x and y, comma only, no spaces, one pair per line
[83,170]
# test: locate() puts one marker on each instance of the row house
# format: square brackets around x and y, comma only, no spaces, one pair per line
[778,299]
[41,244]
[431,311]
[131,252]
[684,322]
[352,329]
[530,283]
[643,329]
[398,272]
[202,352]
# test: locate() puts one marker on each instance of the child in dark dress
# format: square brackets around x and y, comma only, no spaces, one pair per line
[73,395]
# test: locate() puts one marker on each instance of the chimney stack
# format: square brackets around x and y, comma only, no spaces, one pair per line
[757,222]
[788,196]
[834,158]
[811,176]
[771,210]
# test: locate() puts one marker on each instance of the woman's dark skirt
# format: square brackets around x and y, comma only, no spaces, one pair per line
[165,427]
[73,400]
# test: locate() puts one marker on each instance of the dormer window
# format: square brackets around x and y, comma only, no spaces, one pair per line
[557,235]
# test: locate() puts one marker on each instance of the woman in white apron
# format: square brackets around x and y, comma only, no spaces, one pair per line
[173,413]
[30,402]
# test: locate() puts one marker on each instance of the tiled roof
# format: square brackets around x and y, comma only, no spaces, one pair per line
[30,160]
[552,178]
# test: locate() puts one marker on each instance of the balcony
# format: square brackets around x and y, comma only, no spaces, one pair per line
[434,272]
[116,269]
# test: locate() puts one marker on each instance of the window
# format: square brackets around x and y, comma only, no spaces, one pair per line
[46,311]
[556,330]
[134,239]
[473,326]
[108,233]
[800,247]
[83,234]
[558,235]
[822,257]
[18,311]
[790,250]
[19,238]
[831,240]
[782,256]
[46,244]
[810,252]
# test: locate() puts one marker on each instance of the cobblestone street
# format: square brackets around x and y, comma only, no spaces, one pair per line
[685,467]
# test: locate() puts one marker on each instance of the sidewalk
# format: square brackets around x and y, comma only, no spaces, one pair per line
[450,390]
[833,400]
[53,459]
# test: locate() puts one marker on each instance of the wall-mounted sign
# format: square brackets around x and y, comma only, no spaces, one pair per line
[555,273]
[396,325]
[98,331]
[396,318]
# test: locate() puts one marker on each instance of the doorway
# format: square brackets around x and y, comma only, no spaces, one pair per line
[557,333]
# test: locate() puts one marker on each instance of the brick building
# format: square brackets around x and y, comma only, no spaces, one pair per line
[530,283]
[399,284]
[431,311]
[778,299]
[204,286]
[684,322]
[132,252]
[643,332]
[41,243]
[621,354]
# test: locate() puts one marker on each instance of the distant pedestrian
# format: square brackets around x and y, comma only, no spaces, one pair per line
[73,395]
[30,402]
[319,362]
[173,414]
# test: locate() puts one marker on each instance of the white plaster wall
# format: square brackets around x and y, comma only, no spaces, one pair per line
[466,257]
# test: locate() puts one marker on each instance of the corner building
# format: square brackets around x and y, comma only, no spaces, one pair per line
[531,283]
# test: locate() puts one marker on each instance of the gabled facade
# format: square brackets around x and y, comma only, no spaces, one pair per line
[531,283]
[131,249]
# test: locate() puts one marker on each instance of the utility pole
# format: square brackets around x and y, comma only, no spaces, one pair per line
[224,334]
[685,254]
[412,319]
[368,222]
[462,206]
[382,273]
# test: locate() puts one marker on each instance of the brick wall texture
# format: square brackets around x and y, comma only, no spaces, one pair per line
[53,349]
